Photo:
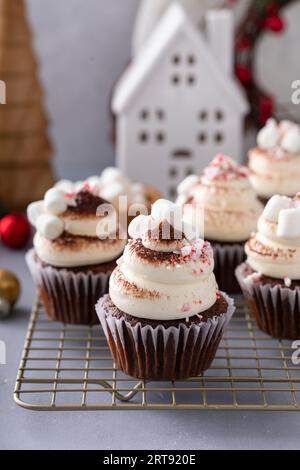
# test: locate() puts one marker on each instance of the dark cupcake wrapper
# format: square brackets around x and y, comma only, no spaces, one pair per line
[276,309]
[67,296]
[161,353]
[227,257]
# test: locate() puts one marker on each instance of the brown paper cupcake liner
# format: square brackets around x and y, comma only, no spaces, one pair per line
[227,257]
[69,297]
[276,309]
[160,353]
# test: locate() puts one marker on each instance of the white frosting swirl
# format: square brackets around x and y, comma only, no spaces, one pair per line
[77,252]
[231,208]
[275,249]
[154,281]
[275,163]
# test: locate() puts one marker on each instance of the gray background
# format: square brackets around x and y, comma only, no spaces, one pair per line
[83,46]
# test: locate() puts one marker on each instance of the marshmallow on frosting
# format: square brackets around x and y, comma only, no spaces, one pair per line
[74,216]
[110,185]
[285,135]
[224,193]
[164,211]
[275,163]
[275,249]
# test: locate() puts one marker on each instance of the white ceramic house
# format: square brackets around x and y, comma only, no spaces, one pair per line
[178,104]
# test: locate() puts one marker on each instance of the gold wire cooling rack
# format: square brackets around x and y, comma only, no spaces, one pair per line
[66,367]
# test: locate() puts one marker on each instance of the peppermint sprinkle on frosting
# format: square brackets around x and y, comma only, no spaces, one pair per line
[224,168]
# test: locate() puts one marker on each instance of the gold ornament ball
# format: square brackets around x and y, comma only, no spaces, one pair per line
[9,286]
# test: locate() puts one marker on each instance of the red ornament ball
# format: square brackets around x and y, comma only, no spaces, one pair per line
[274,23]
[15,230]
[244,74]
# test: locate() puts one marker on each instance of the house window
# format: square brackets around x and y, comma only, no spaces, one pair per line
[152,129]
[144,114]
[189,171]
[143,137]
[160,137]
[175,79]
[176,59]
[172,192]
[191,59]
[182,72]
[219,115]
[173,172]
[203,115]
[160,114]
[191,79]
[219,137]
[202,137]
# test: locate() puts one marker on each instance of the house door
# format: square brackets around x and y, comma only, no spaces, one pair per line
[181,164]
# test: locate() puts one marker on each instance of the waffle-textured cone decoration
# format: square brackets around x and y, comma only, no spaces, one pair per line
[25,150]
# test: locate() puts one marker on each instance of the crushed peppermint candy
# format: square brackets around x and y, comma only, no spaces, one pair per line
[224,168]
[185,307]
[287,282]
[70,197]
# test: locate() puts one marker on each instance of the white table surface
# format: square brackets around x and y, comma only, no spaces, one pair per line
[23,429]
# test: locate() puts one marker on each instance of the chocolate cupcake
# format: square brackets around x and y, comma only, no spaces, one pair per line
[75,251]
[230,209]
[164,316]
[275,163]
[270,278]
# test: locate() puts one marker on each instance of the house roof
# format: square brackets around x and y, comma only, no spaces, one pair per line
[174,22]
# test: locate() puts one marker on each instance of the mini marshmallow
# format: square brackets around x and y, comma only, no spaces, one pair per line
[285,125]
[78,186]
[181,200]
[187,184]
[94,184]
[137,188]
[53,192]
[55,202]
[111,192]
[49,226]
[34,210]
[289,223]
[163,209]
[139,226]
[113,175]
[137,194]
[66,186]
[275,205]
[268,136]
[291,140]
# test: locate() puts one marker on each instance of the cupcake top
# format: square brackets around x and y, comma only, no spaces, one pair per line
[231,208]
[274,250]
[110,185]
[275,163]
[76,228]
[166,271]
